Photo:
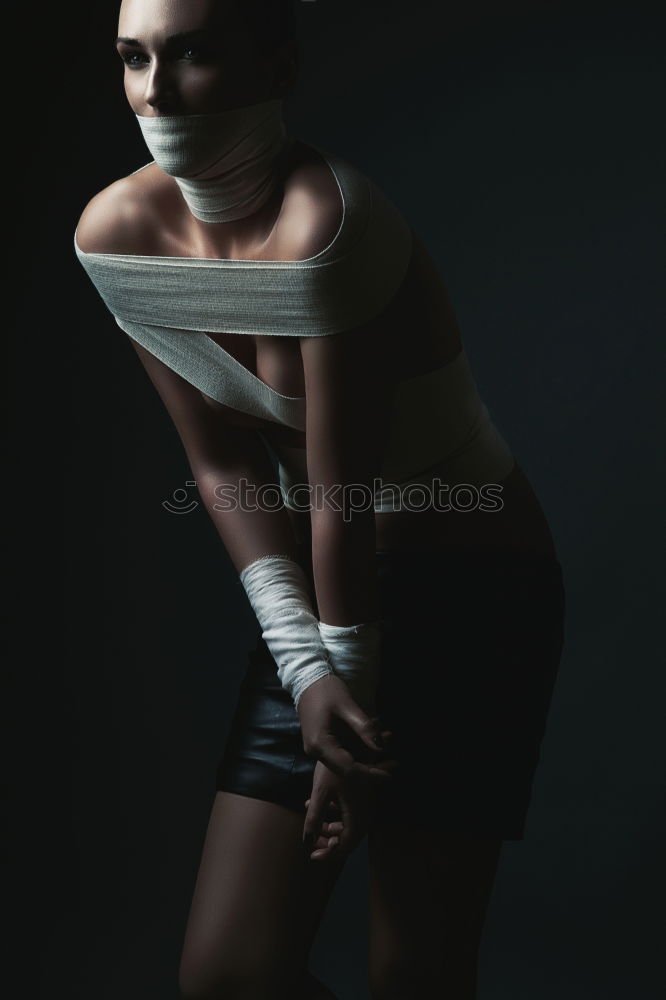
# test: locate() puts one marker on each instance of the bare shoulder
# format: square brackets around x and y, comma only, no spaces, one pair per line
[311,211]
[124,217]
[119,216]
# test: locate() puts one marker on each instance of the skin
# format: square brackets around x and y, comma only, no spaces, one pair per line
[259,898]
[218,68]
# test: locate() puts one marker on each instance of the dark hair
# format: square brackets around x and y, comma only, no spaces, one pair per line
[271,22]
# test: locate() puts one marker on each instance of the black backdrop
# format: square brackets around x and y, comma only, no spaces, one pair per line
[523,142]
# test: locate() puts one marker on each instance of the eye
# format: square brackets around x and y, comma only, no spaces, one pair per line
[128,59]
[198,53]
[134,60]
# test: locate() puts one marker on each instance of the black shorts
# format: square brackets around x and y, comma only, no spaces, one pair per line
[471,645]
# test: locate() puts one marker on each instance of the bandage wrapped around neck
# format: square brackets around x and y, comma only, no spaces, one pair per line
[303,648]
[223,162]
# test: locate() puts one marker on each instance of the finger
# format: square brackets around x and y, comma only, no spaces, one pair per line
[332,829]
[336,757]
[390,765]
[311,828]
[342,762]
[326,845]
[332,805]
[375,774]
[365,726]
[315,829]
[330,850]
[348,837]
[315,811]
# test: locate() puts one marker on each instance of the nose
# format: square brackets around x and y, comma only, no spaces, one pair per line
[158,92]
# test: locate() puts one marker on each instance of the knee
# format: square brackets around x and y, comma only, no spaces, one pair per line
[403,979]
[391,981]
[201,984]
[216,978]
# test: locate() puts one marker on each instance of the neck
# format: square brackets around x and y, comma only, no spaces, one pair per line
[236,191]
[248,231]
[227,164]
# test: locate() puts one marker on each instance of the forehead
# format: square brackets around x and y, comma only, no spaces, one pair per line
[147,19]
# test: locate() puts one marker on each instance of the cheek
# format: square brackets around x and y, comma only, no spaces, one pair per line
[132,91]
[214,89]
[202,83]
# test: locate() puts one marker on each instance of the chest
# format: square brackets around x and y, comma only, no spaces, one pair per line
[276,361]
[419,333]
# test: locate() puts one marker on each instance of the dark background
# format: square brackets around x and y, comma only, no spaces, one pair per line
[524,143]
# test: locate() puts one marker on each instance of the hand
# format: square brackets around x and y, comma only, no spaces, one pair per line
[338,732]
[338,812]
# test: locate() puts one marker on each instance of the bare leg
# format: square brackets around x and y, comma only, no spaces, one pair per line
[314,989]
[428,898]
[256,907]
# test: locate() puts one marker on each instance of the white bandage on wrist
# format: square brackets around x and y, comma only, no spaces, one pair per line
[353,651]
[278,591]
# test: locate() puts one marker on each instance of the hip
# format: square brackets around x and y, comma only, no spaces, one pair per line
[503,516]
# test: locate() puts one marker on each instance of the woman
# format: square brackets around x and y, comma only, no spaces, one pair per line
[434,627]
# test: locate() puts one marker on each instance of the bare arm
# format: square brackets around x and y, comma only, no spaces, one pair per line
[221,455]
[348,413]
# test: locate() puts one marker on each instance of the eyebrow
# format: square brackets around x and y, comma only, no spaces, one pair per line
[172,38]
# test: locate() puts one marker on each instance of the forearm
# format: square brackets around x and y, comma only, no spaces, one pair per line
[344,567]
[345,583]
[237,496]
[343,554]
[258,535]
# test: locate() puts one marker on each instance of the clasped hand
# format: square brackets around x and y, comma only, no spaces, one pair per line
[350,749]
[337,731]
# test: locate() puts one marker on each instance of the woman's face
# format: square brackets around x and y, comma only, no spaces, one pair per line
[189,58]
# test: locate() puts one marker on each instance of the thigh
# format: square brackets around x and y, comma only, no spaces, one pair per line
[428,895]
[471,650]
[257,901]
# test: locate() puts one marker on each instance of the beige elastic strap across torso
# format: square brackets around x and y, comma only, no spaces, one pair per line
[168,304]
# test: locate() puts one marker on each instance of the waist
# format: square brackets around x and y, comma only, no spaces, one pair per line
[513,523]
[464,478]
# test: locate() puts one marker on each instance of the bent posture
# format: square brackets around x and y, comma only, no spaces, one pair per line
[400,566]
